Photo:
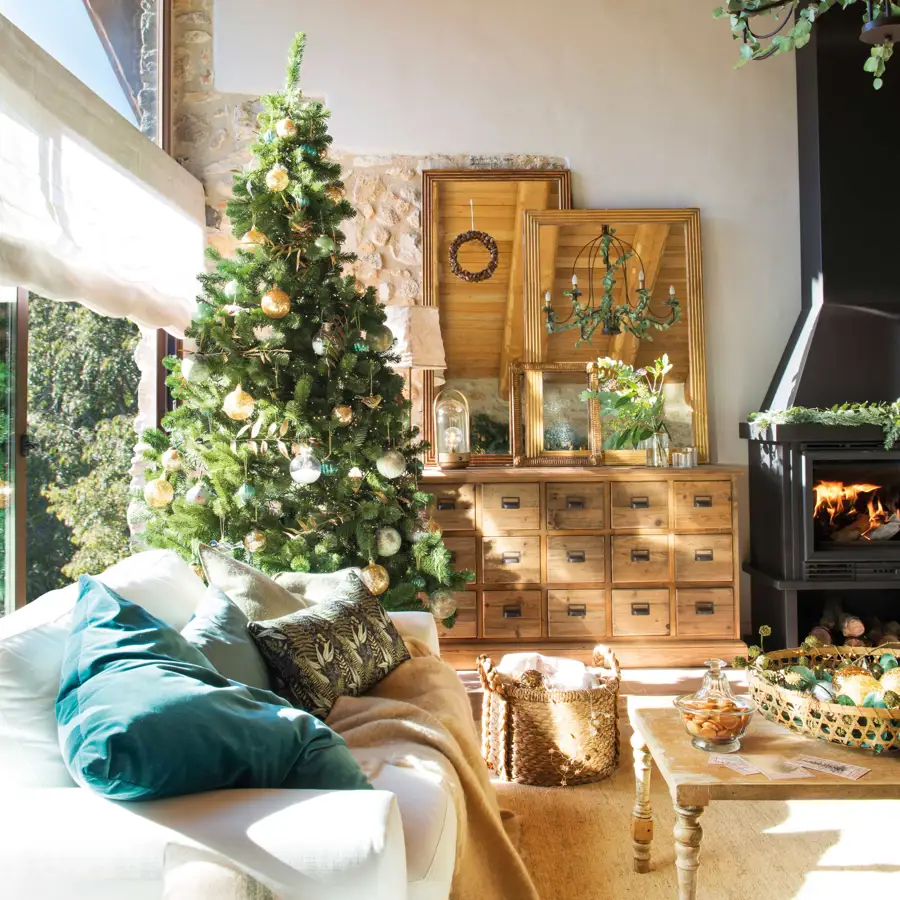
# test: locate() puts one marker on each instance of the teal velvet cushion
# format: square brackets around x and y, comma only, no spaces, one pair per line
[142,715]
[219,631]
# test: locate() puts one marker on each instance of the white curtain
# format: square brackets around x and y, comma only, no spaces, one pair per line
[90,209]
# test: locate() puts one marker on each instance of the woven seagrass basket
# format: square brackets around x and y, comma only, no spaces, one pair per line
[532,735]
[860,727]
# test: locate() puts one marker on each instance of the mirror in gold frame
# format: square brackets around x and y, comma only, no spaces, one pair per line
[666,245]
[482,323]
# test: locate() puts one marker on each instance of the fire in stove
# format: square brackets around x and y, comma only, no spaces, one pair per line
[854,512]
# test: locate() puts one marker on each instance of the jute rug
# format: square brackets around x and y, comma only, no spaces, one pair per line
[576,842]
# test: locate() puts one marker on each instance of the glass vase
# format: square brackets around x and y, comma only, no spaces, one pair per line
[658,450]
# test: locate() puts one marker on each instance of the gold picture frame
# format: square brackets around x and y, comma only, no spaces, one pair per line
[443,188]
[551,241]
[526,403]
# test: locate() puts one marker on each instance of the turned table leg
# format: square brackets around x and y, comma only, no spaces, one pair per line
[642,815]
[688,834]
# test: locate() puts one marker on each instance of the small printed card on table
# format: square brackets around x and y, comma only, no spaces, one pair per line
[831,767]
[735,763]
[777,768]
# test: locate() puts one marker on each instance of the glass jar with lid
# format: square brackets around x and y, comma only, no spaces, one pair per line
[714,717]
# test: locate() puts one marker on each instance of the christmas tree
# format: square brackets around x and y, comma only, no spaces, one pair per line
[291,445]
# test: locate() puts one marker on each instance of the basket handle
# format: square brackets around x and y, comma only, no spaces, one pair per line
[490,678]
[606,659]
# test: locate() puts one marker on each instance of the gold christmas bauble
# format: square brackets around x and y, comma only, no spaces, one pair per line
[254,541]
[856,687]
[334,194]
[158,493]
[5,494]
[254,237]
[238,405]
[343,414]
[275,303]
[890,681]
[375,578]
[285,128]
[172,460]
[277,178]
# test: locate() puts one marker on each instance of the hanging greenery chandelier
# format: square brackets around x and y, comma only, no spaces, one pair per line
[633,314]
[881,27]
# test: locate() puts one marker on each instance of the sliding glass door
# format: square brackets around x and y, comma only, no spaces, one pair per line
[8,453]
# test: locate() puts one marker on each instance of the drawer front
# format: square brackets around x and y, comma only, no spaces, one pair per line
[640,504]
[453,507]
[511,560]
[576,614]
[512,614]
[638,558]
[576,506]
[704,557]
[703,504]
[576,558]
[510,507]
[705,612]
[463,552]
[640,612]
[465,625]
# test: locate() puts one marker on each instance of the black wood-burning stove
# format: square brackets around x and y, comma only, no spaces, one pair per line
[823,500]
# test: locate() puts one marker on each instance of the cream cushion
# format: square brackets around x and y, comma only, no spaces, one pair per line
[32,643]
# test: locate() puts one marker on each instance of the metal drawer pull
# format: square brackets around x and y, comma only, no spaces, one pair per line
[640,609]
[574,502]
[511,557]
[578,610]
[510,503]
[512,611]
[640,556]
[452,557]
[575,556]
[703,501]
[705,608]
[640,503]
[444,505]
[703,556]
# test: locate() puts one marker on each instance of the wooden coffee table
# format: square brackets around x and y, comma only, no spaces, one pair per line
[659,735]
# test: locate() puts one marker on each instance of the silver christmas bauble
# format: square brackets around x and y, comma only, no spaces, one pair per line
[194,369]
[387,541]
[442,604]
[380,339]
[277,178]
[391,464]
[305,468]
[172,460]
[198,494]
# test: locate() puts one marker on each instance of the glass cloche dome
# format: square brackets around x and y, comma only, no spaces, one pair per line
[451,429]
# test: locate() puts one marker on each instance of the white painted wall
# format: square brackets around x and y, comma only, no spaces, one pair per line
[639,95]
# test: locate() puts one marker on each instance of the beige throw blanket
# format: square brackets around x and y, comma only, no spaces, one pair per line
[420,716]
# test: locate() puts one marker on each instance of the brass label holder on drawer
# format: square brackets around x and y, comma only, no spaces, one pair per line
[512,611]
[640,556]
[511,557]
[640,609]
[574,502]
[704,556]
[705,608]
[640,503]
[575,556]
[703,501]
[444,504]
[510,503]
[577,610]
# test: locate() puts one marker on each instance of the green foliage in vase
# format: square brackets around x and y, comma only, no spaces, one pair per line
[631,401]
[326,348]
[885,415]
[741,14]
[489,435]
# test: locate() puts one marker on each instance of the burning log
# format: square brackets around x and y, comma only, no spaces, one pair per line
[838,622]
[854,531]
[821,634]
[884,532]
[891,634]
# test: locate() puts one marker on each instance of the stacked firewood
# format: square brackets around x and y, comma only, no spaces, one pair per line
[839,627]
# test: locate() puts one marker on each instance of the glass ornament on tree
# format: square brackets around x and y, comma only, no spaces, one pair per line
[305,467]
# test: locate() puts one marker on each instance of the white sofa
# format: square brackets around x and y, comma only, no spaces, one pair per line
[62,842]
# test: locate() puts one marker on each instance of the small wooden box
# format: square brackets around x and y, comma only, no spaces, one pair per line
[576,614]
[454,506]
[575,506]
[576,558]
[644,611]
[511,560]
[704,557]
[639,558]
[466,625]
[512,614]
[463,552]
[703,504]
[640,504]
[510,507]
[705,612]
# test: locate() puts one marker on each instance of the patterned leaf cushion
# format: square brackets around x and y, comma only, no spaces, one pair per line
[143,715]
[334,649]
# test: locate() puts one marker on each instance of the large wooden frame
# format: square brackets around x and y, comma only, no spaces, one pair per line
[526,404]
[432,181]
[535,324]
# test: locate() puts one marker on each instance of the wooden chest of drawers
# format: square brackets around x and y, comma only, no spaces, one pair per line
[641,559]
